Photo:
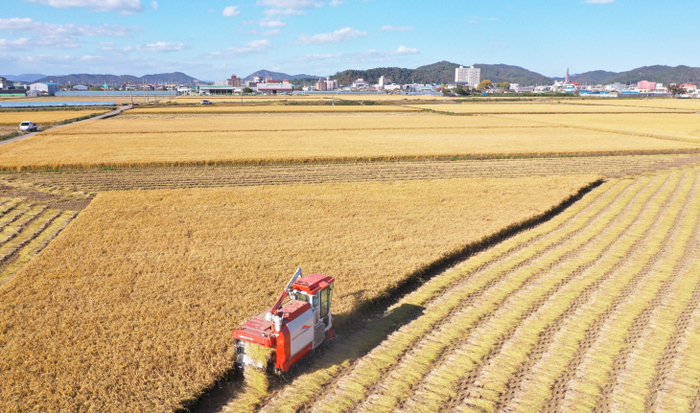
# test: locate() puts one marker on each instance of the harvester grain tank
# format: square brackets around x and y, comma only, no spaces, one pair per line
[279,337]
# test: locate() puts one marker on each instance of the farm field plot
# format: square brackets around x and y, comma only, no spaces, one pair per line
[668,125]
[119,100]
[130,308]
[272,109]
[538,107]
[596,310]
[325,122]
[42,117]
[314,139]
[663,103]
[91,181]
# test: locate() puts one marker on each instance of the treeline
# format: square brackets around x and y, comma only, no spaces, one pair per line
[442,72]
[656,73]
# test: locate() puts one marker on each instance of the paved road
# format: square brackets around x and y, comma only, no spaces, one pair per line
[102,116]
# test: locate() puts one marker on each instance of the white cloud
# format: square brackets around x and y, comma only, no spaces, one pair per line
[289,7]
[253,47]
[21,43]
[403,50]
[338,36]
[371,56]
[272,24]
[266,33]
[154,5]
[283,12]
[287,4]
[396,29]
[231,11]
[159,47]
[121,6]
[499,45]
[336,3]
[599,1]
[52,29]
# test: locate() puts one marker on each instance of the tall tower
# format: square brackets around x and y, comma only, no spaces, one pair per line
[566,79]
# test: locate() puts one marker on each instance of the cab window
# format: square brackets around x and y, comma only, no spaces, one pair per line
[324,302]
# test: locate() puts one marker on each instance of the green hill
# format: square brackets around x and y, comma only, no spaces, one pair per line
[442,72]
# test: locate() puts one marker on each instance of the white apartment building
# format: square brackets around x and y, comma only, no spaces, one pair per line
[468,75]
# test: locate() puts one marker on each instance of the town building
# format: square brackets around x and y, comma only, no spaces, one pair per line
[45,88]
[645,86]
[275,87]
[6,84]
[321,85]
[234,81]
[469,75]
[360,84]
[81,88]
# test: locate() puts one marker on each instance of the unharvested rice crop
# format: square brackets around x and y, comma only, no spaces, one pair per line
[296,139]
[667,125]
[131,307]
[271,109]
[660,103]
[43,117]
[269,124]
[596,310]
[537,107]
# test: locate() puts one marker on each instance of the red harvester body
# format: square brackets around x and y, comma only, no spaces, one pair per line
[293,329]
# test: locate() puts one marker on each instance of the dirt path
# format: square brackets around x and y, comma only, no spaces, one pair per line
[102,116]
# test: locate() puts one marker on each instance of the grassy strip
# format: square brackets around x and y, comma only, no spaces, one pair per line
[340,356]
[37,244]
[633,384]
[441,384]
[14,228]
[594,372]
[515,352]
[398,385]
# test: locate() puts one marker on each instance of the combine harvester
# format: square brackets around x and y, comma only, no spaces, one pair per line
[278,338]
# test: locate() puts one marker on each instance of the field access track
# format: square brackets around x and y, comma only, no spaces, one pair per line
[596,310]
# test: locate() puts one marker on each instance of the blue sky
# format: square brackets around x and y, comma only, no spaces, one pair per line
[213,39]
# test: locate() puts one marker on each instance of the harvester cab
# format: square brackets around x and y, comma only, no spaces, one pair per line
[279,337]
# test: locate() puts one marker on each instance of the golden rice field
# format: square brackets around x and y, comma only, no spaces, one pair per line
[293,139]
[547,107]
[661,103]
[119,100]
[130,308]
[230,108]
[49,116]
[597,310]
[679,126]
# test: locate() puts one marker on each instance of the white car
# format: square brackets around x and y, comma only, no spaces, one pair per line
[28,126]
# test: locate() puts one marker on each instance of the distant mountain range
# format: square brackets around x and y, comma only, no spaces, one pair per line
[279,76]
[443,72]
[111,80]
[658,73]
[28,78]
[440,72]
